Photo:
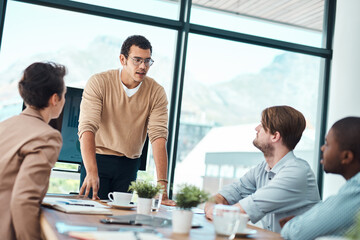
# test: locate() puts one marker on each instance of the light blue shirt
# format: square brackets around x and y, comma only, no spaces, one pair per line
[289,188]
[334,216]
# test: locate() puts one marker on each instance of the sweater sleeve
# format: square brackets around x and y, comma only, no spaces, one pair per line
[91,106]
[158,118]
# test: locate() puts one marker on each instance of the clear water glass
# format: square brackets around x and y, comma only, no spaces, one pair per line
[156,202]
[226,220]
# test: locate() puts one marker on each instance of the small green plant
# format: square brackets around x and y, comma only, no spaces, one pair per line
[190,196]
[145,189]
[354,232]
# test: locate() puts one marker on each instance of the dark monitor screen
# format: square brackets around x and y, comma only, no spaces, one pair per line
[67,123]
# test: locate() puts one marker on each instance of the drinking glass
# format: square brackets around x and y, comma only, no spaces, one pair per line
[226,220]
[156,202]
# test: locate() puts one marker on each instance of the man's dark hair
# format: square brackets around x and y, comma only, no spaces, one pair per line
[347,135]
[40,81]
[289,122]
[137,40]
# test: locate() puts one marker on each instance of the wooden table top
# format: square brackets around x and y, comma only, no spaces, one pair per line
[50,217]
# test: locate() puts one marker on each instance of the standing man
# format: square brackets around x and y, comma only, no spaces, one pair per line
[335,215]
[283,184]
[118,109]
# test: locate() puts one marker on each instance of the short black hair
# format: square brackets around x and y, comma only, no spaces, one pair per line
[40,81]
[137,40]
[347,135]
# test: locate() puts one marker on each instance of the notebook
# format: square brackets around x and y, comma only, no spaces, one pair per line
[76,206]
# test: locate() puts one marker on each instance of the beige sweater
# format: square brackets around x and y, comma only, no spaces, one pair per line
[119,122]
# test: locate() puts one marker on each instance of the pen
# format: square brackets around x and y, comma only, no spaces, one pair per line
[114,221]
[78,204]
[81,204]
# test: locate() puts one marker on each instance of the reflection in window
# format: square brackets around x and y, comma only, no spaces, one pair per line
[225,89]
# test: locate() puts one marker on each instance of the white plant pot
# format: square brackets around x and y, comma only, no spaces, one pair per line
[181,221]
[144,205]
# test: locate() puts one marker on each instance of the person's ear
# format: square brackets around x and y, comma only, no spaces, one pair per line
[54,99]
[276,137]
[122,59]
[347,157]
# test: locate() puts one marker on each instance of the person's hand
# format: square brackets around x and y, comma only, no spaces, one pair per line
[166,201]
[209,207]
[240,207]
[284,220]
[91,181]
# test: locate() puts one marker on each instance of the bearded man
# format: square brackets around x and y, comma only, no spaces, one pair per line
[281,185]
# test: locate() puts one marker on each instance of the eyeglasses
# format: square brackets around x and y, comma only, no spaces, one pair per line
[138,61]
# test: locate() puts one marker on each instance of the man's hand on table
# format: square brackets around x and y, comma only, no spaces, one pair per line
[91,181]
[209,207]
[167,202]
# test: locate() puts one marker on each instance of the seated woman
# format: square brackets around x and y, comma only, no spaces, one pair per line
[29,148]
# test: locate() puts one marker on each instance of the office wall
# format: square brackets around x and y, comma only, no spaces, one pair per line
[344,95]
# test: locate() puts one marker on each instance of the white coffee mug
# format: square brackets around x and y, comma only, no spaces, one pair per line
[120,198]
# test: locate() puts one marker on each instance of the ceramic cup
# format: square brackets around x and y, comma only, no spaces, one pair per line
[120,198]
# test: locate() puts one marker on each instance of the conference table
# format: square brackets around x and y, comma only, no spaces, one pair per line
[50,220]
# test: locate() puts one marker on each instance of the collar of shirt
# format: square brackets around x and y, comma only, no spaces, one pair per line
[355,178]
[279,164]
[129,92]
[29,111]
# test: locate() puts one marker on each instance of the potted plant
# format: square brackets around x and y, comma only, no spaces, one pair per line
[189,196]
[145,191]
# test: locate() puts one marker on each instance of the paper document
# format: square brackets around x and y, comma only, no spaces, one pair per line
[101,235]
[76,205]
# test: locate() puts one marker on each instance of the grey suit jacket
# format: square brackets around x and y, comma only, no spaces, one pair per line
[29,148]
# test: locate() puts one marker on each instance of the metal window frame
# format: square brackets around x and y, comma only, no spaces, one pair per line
[183,28]
[328,36]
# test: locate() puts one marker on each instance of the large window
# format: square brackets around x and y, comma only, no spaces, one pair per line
[226,84]
[225,90]
[85,44]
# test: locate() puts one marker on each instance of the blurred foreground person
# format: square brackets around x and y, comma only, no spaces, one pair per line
[29,148]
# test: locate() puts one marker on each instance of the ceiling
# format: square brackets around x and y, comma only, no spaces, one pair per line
[301,13]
